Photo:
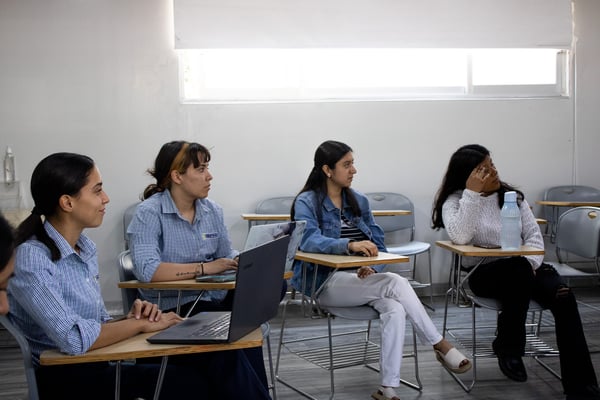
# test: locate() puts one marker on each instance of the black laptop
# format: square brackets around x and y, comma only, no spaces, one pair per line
[255,300]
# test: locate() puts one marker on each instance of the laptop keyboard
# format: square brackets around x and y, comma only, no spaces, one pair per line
[218,327]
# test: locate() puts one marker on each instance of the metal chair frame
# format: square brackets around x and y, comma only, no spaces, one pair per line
[337,356]
[32,389]
[403,223]
[535,347]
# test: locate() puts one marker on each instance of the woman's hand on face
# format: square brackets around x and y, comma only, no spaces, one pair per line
[363,247]
[363,272]
[479,178]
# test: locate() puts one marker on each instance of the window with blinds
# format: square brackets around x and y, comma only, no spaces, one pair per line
[353,50]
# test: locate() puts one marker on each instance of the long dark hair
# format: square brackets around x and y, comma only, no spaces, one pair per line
[328,153]
[7,242]
[461,164]
[54,176]
[174,156]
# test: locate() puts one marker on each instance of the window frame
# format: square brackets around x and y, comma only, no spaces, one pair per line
[561,89]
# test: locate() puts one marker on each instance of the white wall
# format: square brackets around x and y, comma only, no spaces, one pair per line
[101,78]
[587,32]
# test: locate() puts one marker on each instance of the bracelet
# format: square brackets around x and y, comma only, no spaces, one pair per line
[201,271]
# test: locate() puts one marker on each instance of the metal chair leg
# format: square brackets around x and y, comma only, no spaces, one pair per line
[266,331]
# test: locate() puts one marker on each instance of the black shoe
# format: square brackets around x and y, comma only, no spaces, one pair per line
[590,392]
[513,368]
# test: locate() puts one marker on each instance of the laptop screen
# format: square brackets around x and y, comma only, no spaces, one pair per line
[261,234]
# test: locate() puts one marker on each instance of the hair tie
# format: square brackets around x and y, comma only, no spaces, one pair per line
[36,211]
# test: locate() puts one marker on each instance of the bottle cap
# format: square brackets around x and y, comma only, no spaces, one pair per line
[510,196]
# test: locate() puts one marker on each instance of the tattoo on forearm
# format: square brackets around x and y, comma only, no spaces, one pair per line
[185,273]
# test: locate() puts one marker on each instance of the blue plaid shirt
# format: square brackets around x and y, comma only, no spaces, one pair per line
[158,233]
[57,304]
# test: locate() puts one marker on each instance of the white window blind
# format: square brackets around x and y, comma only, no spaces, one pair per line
[209,24]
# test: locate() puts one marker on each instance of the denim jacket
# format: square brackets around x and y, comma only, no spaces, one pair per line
[323,230]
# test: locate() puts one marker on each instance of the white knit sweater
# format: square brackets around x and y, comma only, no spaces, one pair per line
[472,218]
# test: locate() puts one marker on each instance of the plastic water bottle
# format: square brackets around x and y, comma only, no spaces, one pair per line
[510,237]
[9,166]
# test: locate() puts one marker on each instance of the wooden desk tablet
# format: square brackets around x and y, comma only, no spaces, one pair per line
[138,347]
[554,203]
[389,213]
[253,217]
[344,261]
[469,250]
[265,217]
[186,284]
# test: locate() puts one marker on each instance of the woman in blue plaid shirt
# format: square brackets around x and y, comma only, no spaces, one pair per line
[177,232]
[55,300]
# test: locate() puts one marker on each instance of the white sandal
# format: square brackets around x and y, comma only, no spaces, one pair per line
[452,360]
[385,393]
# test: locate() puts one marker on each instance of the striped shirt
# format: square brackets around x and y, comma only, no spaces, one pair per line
[57,304]
[158,233]
[351,231]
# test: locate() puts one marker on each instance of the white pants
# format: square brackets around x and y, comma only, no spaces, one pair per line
[393,297]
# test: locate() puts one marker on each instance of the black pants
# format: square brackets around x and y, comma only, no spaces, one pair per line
[218,375]
[513,283]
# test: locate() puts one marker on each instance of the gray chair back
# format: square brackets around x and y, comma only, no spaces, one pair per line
[127,217]
[568,193]
[126,274]
[275,205]
[393,201]
[26,353]
[578,232]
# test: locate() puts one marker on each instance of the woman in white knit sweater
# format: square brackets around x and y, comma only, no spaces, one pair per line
[468,206]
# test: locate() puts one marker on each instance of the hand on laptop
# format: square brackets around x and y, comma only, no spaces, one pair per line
[151,316]
[219,265]
[165,320]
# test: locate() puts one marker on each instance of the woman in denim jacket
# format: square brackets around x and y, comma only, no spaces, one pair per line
[339,221]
